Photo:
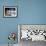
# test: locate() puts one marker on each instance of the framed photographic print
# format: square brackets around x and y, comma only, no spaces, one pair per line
[33,32]
[10,11]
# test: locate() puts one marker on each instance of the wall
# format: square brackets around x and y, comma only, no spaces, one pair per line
[32,11]
[7,25]
[29,12]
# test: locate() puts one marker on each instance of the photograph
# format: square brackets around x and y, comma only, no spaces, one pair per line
[10,11]
[32,32]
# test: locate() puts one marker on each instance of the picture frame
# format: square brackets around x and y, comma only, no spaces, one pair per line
[37,29]
[10,11]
